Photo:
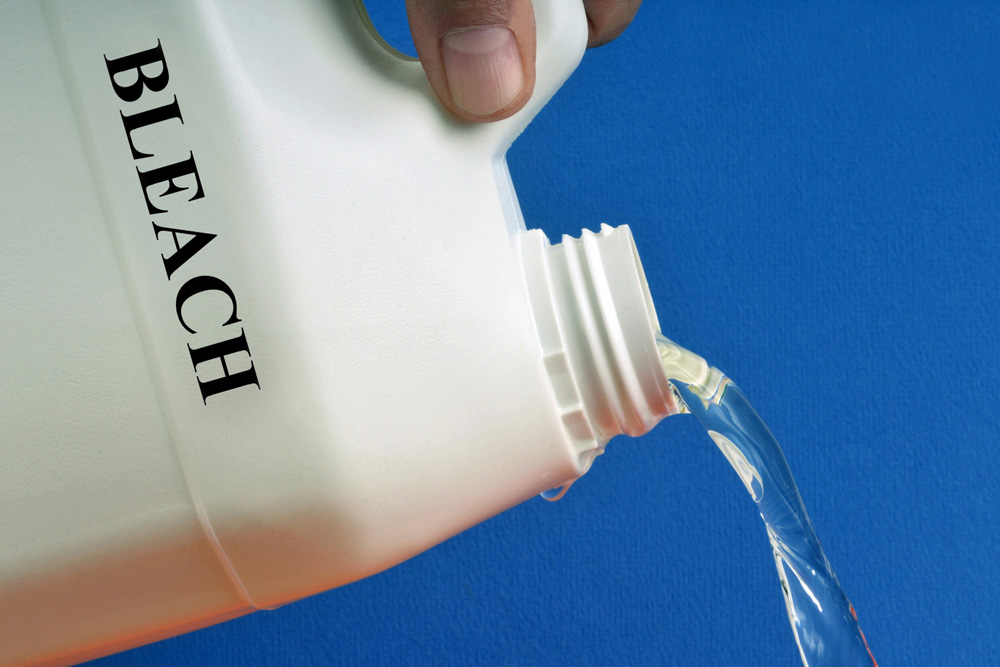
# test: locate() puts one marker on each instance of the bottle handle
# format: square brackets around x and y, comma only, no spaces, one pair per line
[561,39]
[561,29]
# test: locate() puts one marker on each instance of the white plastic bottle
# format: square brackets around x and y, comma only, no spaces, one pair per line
[271,321]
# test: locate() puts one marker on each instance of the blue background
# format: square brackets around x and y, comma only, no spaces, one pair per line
[815,192]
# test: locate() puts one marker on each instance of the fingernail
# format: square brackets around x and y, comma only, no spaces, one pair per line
[483,68]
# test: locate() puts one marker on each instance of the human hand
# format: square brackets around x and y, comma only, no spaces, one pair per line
[479,55]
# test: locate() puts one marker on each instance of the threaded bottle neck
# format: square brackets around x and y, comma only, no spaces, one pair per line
[597,326]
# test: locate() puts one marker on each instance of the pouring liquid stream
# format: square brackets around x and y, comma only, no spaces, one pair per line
[822,618]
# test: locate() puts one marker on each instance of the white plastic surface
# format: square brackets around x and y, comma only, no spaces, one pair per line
[364,238]
[597,326]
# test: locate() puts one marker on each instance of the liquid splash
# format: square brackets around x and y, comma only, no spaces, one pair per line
[822,618]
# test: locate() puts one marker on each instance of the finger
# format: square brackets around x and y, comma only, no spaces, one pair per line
[608,18]
[479,55]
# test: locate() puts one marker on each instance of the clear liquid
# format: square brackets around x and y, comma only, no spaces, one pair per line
[823,620]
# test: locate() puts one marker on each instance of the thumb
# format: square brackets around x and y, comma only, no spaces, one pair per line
[479,55]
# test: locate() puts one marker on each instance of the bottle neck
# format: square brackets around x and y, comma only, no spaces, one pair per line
[597,328]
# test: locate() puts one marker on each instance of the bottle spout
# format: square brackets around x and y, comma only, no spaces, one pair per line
[597,327]
[610,367]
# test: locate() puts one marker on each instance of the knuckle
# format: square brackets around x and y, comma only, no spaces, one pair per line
[607,19]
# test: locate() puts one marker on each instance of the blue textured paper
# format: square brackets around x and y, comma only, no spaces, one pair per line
[815,192]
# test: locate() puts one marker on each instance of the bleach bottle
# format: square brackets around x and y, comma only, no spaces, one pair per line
[272,321]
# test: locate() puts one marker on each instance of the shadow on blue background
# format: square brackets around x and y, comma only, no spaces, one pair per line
[815,192]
